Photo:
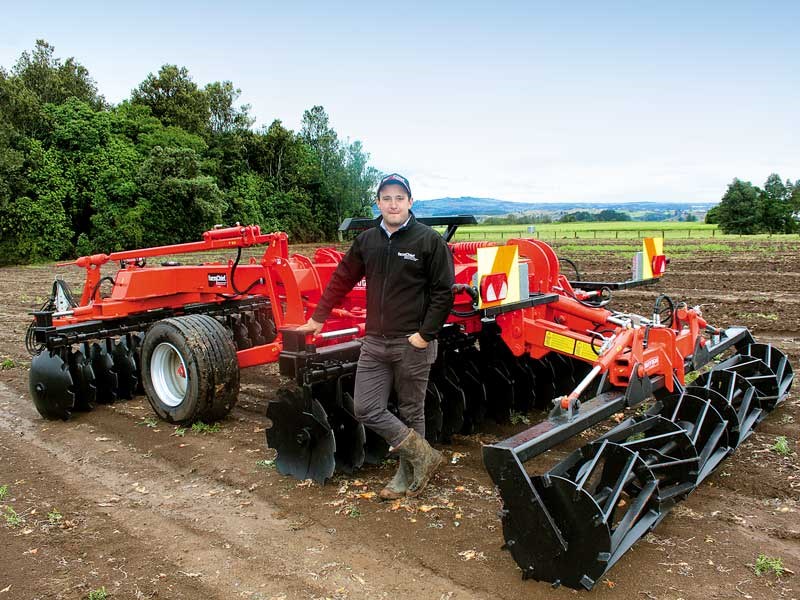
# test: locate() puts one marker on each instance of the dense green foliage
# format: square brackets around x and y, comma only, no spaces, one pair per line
[78,175]
[605,215]
[747,209]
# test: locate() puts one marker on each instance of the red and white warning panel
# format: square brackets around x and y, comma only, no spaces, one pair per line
[659,265]
[498,276]
[494,287]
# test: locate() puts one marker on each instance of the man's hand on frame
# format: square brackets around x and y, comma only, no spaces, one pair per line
[311,326]
[416,340]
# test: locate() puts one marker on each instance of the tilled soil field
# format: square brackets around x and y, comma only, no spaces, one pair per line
[115,500]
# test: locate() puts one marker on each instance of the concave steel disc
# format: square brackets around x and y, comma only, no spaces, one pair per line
[453,404]
[254,331]
[433,412]
[302,436]
[51,386]
[84,381]
[524,385]
[469,380]
[500,387]
[350,435]
[546,389]
[564,377]
[105,375]
[375,447]
[136,347]
[125,366]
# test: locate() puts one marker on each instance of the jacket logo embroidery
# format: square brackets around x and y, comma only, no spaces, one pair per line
[407,256]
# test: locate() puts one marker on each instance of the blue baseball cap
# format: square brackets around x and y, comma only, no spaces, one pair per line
[395,178]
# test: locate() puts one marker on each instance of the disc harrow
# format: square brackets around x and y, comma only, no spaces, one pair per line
[467,384]
[102,368]
[521,337]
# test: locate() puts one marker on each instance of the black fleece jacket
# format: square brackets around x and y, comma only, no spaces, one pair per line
[409,279]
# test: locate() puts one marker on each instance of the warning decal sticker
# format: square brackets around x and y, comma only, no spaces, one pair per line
[559,342]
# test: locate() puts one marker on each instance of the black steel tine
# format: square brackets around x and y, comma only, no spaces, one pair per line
[631,516]
[593,464]
[621,481]
[712,443]
[645,440]
[699,425]
[672,463]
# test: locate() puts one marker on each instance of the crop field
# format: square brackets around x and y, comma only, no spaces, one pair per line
[116,500]
[623,230]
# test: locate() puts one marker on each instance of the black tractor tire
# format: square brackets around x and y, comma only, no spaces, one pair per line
[189,369]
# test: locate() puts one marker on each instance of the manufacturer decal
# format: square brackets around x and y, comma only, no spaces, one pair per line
[651,363]
[217,280]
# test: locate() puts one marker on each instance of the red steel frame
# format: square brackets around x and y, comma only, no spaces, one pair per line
[294,283]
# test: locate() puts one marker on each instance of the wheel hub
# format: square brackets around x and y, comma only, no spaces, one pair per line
[303,437]
[168,371]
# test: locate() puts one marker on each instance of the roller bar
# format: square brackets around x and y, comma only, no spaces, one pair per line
[570,525]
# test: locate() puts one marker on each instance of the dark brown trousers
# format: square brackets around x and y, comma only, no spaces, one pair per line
[386,364]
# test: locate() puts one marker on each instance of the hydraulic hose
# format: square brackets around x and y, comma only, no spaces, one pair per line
[458,288]
[239,292]
[658,311]
[98,284]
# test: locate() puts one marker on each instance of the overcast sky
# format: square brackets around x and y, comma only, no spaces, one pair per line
[603,101]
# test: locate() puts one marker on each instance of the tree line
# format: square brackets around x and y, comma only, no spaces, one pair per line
[79,175]
[747,209]
[579,216]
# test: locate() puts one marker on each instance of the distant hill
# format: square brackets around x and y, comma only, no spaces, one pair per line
[486,207]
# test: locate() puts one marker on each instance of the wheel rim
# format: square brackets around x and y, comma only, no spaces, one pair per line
[169,374]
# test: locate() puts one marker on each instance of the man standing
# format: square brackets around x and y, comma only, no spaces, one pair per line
[409,274]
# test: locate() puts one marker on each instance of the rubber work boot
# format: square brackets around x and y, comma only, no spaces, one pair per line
[398,486]
[423,458]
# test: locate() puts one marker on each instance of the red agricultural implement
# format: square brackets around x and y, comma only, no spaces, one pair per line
[522,336]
